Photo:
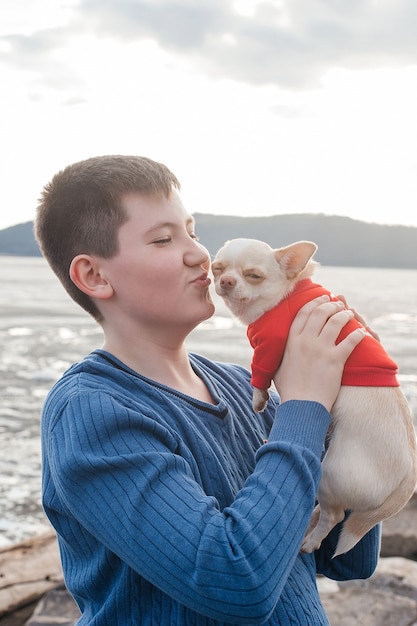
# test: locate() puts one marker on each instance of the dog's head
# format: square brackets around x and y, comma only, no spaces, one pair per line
[252,277]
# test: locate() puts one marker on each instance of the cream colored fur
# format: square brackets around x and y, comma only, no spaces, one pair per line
[370,466]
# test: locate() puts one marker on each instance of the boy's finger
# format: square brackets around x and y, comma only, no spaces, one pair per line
[349,343]
[304,314]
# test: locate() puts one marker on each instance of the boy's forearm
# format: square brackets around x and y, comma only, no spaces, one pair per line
[360,562]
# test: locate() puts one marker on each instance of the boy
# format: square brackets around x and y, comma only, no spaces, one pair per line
[174,503]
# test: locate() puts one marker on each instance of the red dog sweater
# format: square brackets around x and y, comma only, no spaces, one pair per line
[367,366]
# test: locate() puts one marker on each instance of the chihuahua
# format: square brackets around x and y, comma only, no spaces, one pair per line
[369,470]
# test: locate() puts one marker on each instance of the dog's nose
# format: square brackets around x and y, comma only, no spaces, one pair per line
[227,282]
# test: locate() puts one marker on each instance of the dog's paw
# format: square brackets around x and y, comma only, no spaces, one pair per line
[260,400]
[310,544]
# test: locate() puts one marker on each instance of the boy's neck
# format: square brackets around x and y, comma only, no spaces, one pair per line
[169,366]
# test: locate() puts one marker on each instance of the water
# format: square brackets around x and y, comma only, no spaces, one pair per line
[42,332]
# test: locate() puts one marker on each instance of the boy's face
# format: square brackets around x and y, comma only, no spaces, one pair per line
[159,277]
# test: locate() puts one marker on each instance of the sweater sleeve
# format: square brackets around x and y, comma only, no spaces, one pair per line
[123,476]
[360,562]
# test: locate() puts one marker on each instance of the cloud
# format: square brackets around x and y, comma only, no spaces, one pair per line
[182,26]
[38,55]
[288,43]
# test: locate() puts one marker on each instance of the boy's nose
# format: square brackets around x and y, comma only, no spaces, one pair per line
[198,254]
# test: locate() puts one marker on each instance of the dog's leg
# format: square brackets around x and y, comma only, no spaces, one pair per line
[321,524]
[313,520]
[361,522]
[259,399]
[370,467]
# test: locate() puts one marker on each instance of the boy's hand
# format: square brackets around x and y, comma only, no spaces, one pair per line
[360,319]
[312,366]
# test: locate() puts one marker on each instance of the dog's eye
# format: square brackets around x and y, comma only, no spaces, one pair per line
[254,276]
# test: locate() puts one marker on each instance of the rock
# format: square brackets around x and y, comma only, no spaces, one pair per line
[27,571]
[57,607]
[395,574]
[389,597]
[399,533]
[358,607]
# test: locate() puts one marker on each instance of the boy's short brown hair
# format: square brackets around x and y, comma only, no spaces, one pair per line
[80,211]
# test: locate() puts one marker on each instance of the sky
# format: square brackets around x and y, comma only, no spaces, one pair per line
[259,107]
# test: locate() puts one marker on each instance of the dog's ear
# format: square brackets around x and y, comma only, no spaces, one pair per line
[295,257]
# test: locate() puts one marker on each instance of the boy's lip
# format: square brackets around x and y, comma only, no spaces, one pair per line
[204,280]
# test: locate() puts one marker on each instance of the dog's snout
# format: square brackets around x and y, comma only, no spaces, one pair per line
[227,282]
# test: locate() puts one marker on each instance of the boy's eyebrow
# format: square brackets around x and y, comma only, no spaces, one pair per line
[190,221]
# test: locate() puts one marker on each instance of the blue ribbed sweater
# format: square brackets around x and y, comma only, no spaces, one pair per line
[170,511]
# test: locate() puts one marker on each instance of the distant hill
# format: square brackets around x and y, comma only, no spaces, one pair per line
[342,241]
[19,240]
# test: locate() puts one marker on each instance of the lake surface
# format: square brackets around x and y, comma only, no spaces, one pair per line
[42,332]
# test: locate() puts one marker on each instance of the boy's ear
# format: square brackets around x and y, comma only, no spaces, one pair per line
[85,274]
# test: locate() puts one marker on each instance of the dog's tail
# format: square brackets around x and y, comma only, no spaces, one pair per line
[355,527]
[360,522]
